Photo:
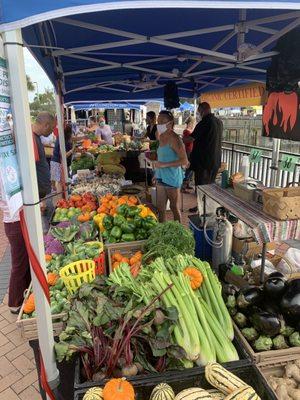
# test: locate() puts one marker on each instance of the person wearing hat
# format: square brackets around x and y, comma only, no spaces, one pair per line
[104,133]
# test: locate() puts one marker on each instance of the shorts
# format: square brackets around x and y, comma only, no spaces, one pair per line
[161,183]
[55,171]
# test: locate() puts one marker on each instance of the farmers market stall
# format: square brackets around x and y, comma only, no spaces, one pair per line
[181,290]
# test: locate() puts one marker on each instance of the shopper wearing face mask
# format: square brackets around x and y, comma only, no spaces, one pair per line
[104,133]
[171,157]
[206,154]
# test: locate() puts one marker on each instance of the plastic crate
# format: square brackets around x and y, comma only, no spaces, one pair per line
[195,377]
[262,357]
[203,250]
[138,380]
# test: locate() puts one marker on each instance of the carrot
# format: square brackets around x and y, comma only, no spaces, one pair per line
[115,265]
[125,260]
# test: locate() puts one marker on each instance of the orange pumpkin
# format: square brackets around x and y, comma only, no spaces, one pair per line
[29,305]
[118,389]
[52,278]
[48,257]
[195,276]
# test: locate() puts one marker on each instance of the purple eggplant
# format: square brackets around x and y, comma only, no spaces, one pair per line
[250,296]
[274,286]
[290,302]
[267,323]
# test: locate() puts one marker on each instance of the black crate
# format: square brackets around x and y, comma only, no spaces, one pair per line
[196,378]
[139,379]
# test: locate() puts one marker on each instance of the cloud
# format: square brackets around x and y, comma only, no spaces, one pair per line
[36,74]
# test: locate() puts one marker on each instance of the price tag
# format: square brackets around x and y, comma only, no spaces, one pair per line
[255,156]
[288,163]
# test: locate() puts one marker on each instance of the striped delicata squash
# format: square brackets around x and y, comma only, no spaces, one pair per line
[243,393]
[162,391]
[222,379]
[194,394]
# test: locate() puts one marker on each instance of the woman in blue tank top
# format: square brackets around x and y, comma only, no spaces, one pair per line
[171,158]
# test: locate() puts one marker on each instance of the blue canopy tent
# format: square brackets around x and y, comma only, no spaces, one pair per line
[106,106]
[113,50]
[186,107]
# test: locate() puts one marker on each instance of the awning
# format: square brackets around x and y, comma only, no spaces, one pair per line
[129,50]
[240,96]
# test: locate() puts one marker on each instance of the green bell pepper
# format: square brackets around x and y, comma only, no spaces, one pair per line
[137,221]
[123,210]
[108,222]
[105,234]
[128,237]
[111,240]
[128,227]
[142,234]
[116,232]
[119,220]
[133,211]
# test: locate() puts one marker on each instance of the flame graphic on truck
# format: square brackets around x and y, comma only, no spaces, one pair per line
[281,109]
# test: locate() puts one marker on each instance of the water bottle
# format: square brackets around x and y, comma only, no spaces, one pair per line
[245,167]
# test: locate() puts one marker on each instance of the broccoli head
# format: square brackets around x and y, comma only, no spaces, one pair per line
[279,342]
[231,303]
[263,343]
[294,339]
[250,334]
[287,330]
[240,319]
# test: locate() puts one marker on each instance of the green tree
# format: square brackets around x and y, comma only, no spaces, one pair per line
[30,85]
[43,102]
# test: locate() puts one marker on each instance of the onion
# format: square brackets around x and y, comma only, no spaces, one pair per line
[130,370]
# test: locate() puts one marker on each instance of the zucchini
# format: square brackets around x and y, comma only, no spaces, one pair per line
[222,379]
[243,393]
[193,394]
[162,391]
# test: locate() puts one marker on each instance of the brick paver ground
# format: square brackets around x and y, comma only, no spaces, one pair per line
[18,376]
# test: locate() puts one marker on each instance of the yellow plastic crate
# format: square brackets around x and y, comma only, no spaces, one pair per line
[76,273]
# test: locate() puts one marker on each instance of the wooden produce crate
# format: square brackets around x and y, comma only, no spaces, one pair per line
[127,249]
[28,327]
[275,367]
[283,203]
[265,356]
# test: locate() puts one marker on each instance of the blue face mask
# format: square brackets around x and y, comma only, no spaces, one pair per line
[102,123]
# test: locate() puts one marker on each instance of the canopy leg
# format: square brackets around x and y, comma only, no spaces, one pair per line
[61,134]
[275,162]
[24,142]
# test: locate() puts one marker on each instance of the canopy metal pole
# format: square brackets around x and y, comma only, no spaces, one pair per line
[195,106]
[25,153]
[61,134]
[275,162]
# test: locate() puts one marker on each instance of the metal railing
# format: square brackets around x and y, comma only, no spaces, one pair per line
[232,154]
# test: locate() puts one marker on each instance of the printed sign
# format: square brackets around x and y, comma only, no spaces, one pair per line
[9,170]
[255,156]
[288,163]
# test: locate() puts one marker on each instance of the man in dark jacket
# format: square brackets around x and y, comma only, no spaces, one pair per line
[206,153]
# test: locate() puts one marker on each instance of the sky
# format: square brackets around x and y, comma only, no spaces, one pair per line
[37,75]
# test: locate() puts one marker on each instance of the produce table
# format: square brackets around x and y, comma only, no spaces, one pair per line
[265,228]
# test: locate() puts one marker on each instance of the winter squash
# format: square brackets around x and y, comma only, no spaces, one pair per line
[52,278]
[162,391]
[94,393]
[29,305]
[195,277]
[118,389]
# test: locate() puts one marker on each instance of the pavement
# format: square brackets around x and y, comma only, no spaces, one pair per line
[18,375]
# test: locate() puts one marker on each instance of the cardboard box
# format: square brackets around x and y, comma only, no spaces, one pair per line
[248,247]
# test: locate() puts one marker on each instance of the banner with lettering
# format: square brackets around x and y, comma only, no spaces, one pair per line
[10,181]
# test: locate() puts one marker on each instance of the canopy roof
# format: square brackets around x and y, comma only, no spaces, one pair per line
[131,50]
